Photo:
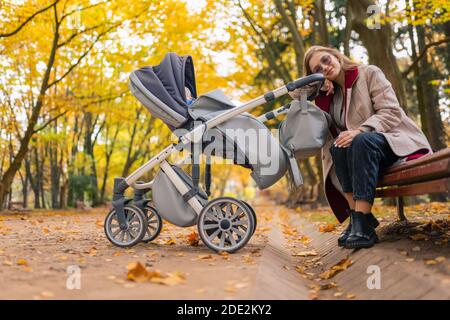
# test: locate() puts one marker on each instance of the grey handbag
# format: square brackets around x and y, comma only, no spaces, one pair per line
[305,128]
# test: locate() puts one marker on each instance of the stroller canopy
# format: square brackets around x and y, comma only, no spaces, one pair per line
[161,88]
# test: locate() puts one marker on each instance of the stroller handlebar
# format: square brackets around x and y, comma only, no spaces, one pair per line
[301,82]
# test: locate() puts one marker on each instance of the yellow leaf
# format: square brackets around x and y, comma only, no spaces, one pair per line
[171,241]
[340,266]
[47,294]
[327,228]
[419,237]
[171,279]
[204,257]
[305,253]
[137,272]
[22,262]
[7,263]
[99,223]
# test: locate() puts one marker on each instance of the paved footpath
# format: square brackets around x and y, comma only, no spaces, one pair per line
[287,258]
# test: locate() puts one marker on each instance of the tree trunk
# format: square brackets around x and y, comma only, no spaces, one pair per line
[378,43]
[321,18]
[89,150]
[434,125]
[8,177]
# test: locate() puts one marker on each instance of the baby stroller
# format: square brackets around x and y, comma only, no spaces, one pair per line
[212,125]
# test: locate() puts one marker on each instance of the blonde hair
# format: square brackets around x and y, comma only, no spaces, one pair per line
[345,62]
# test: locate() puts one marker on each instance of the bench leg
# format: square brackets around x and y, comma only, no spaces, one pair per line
[400,211]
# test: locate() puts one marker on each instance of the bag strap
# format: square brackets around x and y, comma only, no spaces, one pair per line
[304,101]
[293,167]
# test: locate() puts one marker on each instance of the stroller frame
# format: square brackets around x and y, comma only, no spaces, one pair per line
[122,204]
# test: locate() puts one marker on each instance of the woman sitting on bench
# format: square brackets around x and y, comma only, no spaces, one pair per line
[369,132]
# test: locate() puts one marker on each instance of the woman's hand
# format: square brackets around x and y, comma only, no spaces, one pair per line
[345,138]
[328,87]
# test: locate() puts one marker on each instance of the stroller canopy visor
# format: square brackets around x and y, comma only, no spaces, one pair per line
[165,83]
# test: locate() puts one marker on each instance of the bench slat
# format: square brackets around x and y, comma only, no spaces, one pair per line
[439,155]
[435,186]
[422,173]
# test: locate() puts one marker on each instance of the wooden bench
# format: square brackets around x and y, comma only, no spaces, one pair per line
[428,174]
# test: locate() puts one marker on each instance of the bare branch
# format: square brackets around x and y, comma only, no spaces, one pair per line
[73,66]
[50,121]
[76,34]
[422,54]
[23,24]
[83,9]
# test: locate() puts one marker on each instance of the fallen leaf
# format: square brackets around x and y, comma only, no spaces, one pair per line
[171,279]
[338,294]
[193,239]
[99,223]
[46,230]
[313,294]
[409,259]
[418,237]
[204,257]
[305,253]
[300,269]
[350,296]
[137,272]
[304,239]
[22,262]
[47,294]
[327,228]
[340,266]
[171,241]
[7,263]
[416,249]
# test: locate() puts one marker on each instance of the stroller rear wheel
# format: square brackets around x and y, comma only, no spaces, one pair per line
[134,231]
[154,224]
[225,224]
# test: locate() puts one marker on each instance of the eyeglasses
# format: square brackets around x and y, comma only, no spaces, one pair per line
[325,60]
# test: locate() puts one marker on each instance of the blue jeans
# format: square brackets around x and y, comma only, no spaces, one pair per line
[358,166]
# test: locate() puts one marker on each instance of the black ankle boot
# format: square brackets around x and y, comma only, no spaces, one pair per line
[362,234]
[344,235]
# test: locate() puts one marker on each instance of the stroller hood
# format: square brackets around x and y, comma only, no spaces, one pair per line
[161,88]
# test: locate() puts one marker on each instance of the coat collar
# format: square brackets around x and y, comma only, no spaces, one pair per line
[324,102]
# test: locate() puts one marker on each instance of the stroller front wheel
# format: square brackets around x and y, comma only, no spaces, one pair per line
[225,224]
[154,224]
[132,234]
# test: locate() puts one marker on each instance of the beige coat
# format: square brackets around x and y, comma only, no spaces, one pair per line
[371,101]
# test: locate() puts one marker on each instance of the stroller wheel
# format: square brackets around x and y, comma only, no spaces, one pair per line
[154,224]
[253,213]
[225,224]
[135,231]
